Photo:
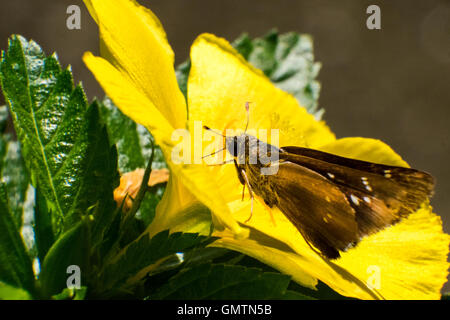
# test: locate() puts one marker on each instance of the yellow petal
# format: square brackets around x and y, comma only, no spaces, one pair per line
[129,99]
[195,184]
[133,40]
[365,149]
[192,183]
[221,82]
[179,210]
[269,251]
[406,261]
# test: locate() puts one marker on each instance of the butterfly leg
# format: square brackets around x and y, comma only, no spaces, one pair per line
[269,211]
[243,192]
[250,190]
[219,164]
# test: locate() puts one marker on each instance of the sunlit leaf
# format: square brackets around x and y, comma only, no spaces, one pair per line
[63,142]
[15,264]
[145,252]
[72,248]
[226,282]
[8,292]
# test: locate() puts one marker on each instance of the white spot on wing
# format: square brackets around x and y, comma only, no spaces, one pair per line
[366,199]
[330,175]
[365,182]
[354,199]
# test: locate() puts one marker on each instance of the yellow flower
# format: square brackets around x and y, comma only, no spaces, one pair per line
[405,261]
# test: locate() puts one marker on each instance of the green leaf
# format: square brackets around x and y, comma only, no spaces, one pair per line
[3,118]
[182,73]
[38,93]
[72,248]
[134,148]
[100,176]
[294,295]
[15,175]
[17,183]
[43,230]
[288,60]
[226,282]
[71,294]
[133,141]
[123,132]
[147,251]
[148,206]
[63,140]
[295,291]
[8,292]
[15,264]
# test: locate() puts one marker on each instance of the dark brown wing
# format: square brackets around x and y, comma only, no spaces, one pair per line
[380,194]
[318,208]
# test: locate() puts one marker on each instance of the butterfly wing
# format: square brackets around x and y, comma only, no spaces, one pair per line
[316,207]
[379,194]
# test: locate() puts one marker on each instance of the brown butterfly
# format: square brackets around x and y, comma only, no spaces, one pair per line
[333,201]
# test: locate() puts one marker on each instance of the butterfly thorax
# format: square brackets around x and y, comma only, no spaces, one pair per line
[253,156]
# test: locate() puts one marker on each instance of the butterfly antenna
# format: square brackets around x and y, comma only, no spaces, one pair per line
[247,110]
[214,131]
[218,133]
[211,154]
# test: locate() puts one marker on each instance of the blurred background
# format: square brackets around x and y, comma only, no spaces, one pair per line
[391,84]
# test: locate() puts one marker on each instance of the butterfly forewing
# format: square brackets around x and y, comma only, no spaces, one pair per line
[380,195]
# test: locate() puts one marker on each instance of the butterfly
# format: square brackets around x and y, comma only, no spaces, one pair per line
[333,201]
